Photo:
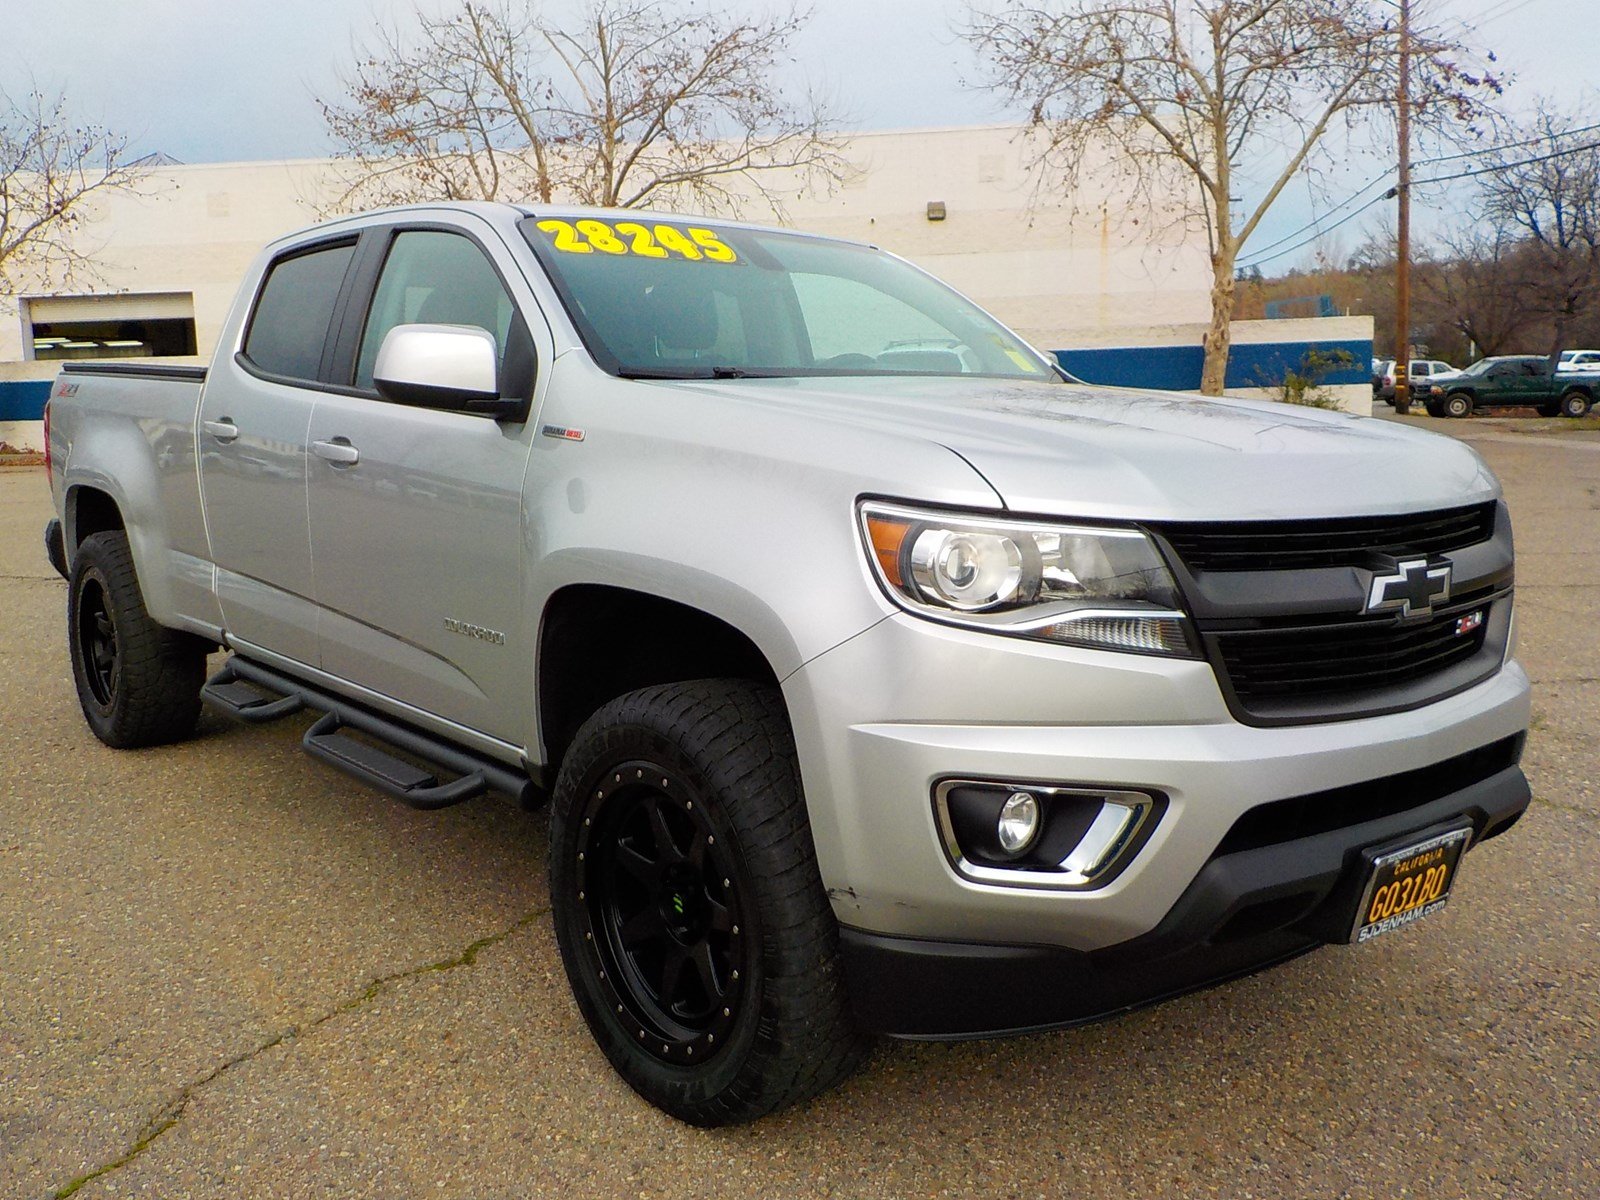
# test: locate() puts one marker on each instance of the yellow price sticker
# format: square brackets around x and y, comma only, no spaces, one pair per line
[634,237]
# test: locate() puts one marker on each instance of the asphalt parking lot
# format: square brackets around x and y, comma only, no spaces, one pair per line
[225,970]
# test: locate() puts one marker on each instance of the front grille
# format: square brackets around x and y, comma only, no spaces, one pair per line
[1301,663]
[1282,545]
[1280,607]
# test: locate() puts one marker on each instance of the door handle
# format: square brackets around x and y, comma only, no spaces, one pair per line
[224,430]
[339,452]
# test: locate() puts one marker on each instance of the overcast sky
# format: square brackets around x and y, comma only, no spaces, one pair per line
[225,80]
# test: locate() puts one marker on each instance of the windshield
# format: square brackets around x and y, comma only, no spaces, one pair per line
[1479,367]
[671,299]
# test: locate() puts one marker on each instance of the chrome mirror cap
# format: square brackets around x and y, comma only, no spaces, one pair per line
[437,366]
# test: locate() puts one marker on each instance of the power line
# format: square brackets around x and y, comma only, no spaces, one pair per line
[1482,150]
[1259,257]
[1501,11]
[1539,158]
[1257,261]
[1317,221]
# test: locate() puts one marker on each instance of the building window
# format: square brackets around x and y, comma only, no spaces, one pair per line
[118,326]
[159,337]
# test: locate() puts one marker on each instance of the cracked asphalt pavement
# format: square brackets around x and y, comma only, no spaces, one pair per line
[226,970]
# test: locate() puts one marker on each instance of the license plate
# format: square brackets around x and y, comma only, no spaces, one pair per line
[1407,884]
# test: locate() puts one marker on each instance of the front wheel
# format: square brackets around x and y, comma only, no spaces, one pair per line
[691,918]
[138,682]
[1458,404]
[1574,404]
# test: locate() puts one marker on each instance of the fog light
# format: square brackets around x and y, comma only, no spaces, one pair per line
[1019,822]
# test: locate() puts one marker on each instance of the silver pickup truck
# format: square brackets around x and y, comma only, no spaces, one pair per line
[881,679]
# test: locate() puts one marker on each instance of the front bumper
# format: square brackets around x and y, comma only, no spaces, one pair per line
[1244,911]
[882,718]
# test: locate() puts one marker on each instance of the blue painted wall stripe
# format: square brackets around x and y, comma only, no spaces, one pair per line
[1177,368]
[23,399]
[1167,368]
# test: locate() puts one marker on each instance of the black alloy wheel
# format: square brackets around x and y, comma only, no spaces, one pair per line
[138,682]
[96,631]
[700,944]
[664,913]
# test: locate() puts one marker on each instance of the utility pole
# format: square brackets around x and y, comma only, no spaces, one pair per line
[1402,264]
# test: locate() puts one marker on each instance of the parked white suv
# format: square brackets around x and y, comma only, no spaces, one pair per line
[1423,373]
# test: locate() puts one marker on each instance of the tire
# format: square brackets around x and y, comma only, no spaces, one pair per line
[138,682]
[1457,404]
[679,836]
[1574,404]
[1435,409]
[1549,410]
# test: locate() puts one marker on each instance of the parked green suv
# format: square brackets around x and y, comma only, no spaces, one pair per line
[1512,381]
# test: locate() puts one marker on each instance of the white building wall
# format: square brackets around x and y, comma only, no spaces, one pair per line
[1056,273]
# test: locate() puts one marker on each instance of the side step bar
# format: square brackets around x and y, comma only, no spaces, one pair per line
[257,694]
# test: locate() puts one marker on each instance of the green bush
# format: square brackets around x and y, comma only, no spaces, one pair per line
[1303,384]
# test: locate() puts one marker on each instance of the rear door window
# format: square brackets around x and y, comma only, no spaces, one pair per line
[296,304]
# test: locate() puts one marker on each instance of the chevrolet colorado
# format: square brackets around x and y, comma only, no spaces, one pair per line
[881,679]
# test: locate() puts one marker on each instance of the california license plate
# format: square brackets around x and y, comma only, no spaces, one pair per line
[1407,884]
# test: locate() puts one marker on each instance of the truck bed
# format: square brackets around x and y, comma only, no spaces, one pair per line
[141,417]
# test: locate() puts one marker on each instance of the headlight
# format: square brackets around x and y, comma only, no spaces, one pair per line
[1077,585]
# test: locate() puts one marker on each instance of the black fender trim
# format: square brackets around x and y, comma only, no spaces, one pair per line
[55,547]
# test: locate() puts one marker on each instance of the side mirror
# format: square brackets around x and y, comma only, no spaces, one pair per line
[452,367]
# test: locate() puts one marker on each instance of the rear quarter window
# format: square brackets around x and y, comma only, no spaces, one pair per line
[294,308]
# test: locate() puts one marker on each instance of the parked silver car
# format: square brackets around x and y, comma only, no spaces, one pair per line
[880,679]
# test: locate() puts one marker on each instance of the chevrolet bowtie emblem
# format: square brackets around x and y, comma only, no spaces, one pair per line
[1413,589]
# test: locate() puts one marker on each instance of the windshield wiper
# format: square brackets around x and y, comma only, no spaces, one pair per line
[652,373]
[722,372]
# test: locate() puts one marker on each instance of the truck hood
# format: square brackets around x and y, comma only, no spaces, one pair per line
[1075,450]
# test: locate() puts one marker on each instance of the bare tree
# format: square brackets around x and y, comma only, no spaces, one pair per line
[1202,88]
[1551,201]
[1480,282]
[50,167]
[639,103]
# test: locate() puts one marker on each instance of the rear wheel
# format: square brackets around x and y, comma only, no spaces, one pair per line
[692,921]
[138,682]
[1574,404]
[1458,404]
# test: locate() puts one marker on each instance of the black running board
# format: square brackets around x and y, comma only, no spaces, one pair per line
[257,694]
